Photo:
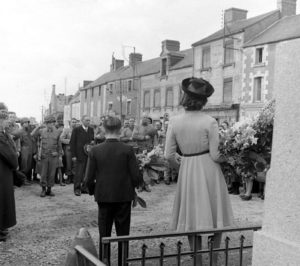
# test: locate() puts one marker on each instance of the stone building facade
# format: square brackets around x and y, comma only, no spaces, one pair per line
[161,90]
[260,63]
[219,59]
[123,90]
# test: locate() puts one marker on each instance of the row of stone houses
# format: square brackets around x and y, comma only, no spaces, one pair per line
[238,60]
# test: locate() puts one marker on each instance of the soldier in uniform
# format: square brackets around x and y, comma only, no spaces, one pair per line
[145,135]
[126,133]
[51,150]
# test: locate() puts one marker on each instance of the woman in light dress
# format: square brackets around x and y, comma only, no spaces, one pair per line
[201,200]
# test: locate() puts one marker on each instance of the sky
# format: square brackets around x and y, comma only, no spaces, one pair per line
[63,42]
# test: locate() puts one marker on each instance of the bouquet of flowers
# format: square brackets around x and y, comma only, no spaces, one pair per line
[153,159]
[247,144]
[152,163]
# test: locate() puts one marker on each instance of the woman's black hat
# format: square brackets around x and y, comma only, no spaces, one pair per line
[200,87]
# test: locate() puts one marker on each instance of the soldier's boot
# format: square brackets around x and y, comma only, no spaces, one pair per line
[43,193]
[49,192]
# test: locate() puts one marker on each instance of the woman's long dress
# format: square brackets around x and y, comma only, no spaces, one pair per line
[201,200]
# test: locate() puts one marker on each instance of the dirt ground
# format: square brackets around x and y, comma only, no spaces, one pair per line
[47,226]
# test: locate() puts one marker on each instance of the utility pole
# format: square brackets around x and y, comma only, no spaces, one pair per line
[42,108]
[121,98]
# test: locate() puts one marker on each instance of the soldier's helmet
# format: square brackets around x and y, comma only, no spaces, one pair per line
[24,120]
[49,119]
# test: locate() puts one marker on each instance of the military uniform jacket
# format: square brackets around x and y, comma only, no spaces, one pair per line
[50,142]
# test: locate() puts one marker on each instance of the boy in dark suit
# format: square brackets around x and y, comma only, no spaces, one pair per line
[81,136]
[112,175]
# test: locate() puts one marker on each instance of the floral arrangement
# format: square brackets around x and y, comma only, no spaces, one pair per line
[247,144]
[154,158]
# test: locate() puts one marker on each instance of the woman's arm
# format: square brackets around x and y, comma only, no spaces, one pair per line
[171,147]
[213,141]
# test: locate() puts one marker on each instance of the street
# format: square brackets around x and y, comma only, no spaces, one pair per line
[47,226]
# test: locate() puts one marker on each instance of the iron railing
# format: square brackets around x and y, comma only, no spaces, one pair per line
[124,244]
[85,258]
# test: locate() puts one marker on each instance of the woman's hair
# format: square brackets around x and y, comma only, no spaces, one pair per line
[191,104]
[112,124]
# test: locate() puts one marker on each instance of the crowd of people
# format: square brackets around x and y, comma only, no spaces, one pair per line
[51,153]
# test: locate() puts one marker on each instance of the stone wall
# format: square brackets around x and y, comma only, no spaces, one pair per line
[278,243]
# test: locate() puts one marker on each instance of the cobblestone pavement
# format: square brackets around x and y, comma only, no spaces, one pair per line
[47,226]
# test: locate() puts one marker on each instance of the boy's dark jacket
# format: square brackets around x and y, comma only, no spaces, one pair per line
[114,167]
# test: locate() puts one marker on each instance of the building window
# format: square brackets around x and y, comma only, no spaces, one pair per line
[227,90]
[129,85]
[92,109]
[228,52]
[92,92]
[128,107]
[164,67]
[85,108]
[111,87]
[257,92]
[169,97]
[157,98]
[99,92]
[206,57]
[259,55]
[85,94]
[110,106]
[147,99]
[99,107]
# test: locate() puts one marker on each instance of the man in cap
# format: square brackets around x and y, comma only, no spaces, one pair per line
[80,138]
[51,150]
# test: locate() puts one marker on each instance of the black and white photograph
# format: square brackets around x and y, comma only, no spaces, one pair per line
[149,132]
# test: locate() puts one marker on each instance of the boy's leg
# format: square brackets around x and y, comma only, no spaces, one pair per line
[122,224]
[105,222]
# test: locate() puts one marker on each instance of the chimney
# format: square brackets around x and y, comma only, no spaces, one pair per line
[233,14]
[86,82]
[116,64]
[134,58]
[170,46]
[53,88]
[287,7]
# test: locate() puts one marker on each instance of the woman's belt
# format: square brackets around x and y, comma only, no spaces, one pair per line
[195,154]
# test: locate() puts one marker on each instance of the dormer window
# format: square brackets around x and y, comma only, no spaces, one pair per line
[164,67]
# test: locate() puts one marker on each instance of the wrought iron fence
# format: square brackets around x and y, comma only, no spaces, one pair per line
[123,242]
[85,258]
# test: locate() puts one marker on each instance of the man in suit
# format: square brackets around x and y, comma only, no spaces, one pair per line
[65,138]
[113,166]
[81,136]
